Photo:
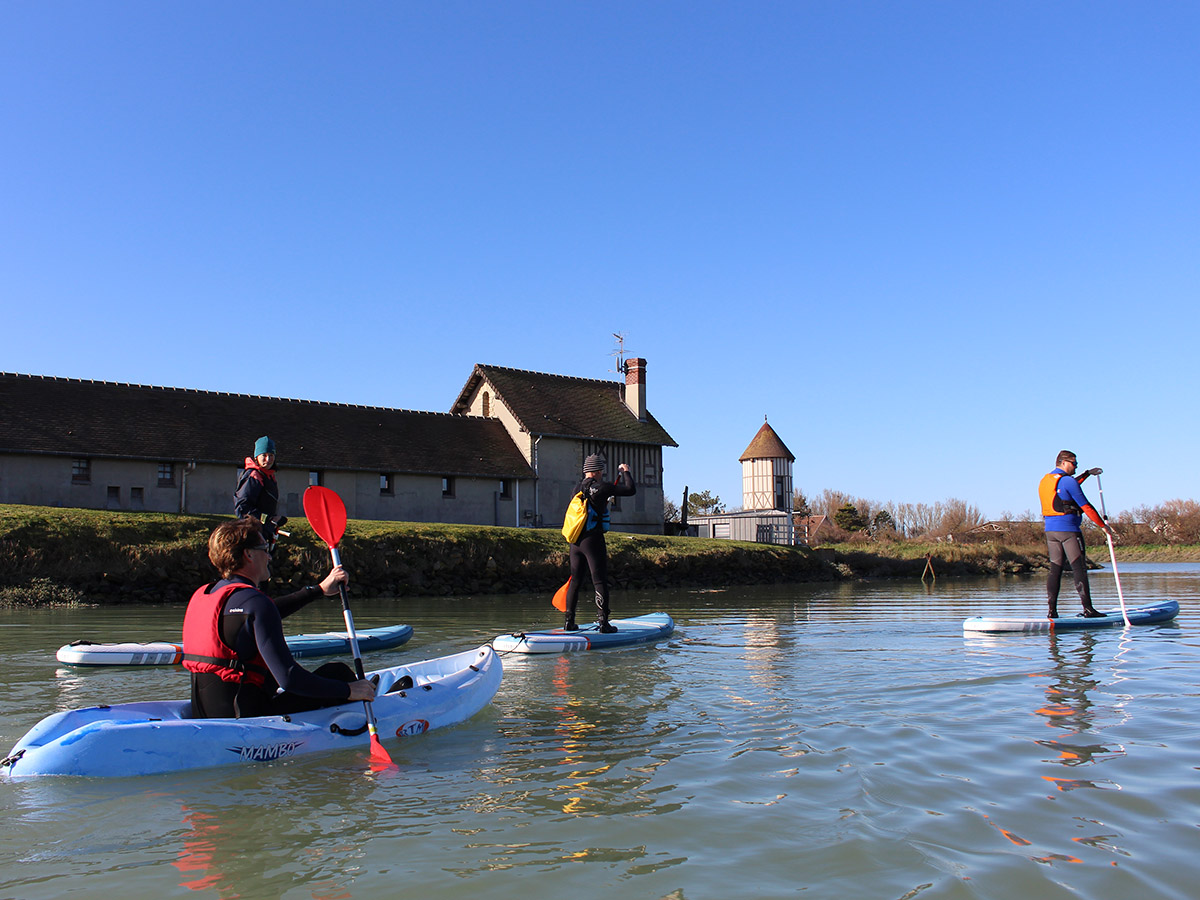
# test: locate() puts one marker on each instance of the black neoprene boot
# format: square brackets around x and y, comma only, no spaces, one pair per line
[1092,613]
[606,628]
[569,624]
[1052,612]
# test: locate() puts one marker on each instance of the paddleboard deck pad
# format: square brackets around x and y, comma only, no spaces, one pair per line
[152,737]
[1142,615]
[164,653]
[637,630]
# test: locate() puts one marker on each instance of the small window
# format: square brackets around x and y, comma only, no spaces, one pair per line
[81,471]
[166,474]
[114,497]
[447,486]
[316,477]
[385,484]
[487,404]
[505,488]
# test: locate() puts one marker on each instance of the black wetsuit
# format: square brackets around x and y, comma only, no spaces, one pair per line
[251,623]
[591,550]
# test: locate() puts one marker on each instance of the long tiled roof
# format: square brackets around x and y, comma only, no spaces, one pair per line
[105,419]
[562,406]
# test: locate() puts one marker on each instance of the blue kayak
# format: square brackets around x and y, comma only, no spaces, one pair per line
[331,642]
[1142,615]
[165,653]
[157,736]
[637,630]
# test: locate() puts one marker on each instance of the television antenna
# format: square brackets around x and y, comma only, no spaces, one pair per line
[619,352]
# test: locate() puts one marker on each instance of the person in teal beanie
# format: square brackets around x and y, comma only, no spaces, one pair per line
[257,491]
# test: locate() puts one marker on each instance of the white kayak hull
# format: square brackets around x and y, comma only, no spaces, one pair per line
[154,737]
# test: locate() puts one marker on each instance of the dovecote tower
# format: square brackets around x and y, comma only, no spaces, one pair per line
[767,472]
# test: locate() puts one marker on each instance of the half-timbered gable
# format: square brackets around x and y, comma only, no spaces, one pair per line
[557,420]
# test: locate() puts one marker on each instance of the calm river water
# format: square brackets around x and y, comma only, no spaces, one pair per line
[826,741]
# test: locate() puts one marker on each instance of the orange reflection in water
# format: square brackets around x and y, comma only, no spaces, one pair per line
[198,853]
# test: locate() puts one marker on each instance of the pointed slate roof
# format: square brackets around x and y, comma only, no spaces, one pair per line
[66,416]
[563,406]
[767,445]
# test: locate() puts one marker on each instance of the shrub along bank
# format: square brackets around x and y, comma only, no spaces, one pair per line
[56,556]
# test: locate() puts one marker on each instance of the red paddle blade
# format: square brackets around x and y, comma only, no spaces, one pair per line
[560,597]
[380,758]
[326,513]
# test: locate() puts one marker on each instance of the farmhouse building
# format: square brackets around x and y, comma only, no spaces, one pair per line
[501,457]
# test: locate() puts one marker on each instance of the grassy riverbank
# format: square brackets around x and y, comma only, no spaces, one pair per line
[64,556]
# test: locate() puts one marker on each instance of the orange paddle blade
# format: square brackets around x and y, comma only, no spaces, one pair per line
[560,597]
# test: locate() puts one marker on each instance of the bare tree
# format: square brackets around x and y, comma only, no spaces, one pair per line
[1176,521]
[958,515]
[829,502]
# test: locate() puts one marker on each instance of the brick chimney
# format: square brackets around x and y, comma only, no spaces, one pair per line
[635,387]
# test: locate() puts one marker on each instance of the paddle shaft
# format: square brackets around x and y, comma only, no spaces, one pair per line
[372,726]
[1112,554]
[349,619]
[327,514]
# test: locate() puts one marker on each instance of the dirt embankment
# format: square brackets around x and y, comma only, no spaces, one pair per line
[53,556]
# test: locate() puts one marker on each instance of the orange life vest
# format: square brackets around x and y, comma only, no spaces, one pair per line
[1052,503]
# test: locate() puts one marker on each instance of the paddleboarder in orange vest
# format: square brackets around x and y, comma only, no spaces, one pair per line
[1063,508]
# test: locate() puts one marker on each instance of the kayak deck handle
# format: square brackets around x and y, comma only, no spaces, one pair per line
[347,732]
[10,761]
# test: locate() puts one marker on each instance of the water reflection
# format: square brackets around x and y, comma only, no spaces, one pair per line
[1069,706]
[585,733]
[834,740]
[238,833]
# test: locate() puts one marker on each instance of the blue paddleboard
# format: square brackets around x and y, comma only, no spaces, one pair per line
[1142,615]
[164,653]
[637,630]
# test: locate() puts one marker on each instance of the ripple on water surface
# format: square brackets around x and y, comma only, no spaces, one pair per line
[834,741]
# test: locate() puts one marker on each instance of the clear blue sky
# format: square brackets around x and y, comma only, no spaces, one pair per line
[935,242]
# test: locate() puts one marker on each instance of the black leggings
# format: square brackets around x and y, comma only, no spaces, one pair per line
[1067,545]
[592,552]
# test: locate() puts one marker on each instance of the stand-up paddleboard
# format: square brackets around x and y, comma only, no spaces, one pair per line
[163,653]
[1143,615]
[638,630]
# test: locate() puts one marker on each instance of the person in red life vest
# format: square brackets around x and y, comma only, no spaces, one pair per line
[233,642]
[1063,509]
[257,491]
[590,551]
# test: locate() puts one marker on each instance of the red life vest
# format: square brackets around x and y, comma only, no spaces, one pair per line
[203,649]
[257,472]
